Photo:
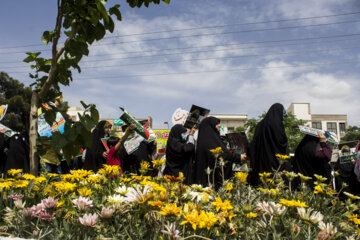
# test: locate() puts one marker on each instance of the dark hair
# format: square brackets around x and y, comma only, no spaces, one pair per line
[112,141]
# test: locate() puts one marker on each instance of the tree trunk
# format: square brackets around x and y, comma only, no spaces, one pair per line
[33,134]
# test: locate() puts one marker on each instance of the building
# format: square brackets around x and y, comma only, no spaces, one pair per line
[231,121]
[73,112]
[336,123]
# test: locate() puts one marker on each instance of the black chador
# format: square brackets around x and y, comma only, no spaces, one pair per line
[180,152]
[269,139]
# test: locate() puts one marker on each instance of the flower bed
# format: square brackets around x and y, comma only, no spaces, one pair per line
[84,205]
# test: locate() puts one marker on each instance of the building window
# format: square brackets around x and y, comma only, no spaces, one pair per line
[230,129]
[316,125]
[331,127]
[342,128]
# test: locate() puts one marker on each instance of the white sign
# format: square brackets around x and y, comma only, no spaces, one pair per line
[179,116]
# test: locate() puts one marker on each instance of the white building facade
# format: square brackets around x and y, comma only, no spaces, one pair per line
[231,121]
[336,123]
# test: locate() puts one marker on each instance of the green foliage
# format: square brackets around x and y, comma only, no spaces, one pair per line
[351,134]
[17,96]
[82,22]
[293,134]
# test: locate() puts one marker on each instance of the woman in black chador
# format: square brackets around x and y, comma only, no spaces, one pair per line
[209,138]
[180,151]
[96,155]
[312,156]
[269,139]
[18,153]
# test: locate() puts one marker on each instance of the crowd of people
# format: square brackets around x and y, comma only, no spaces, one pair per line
[206,160]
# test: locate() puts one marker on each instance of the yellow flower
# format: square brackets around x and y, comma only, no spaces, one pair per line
[304,178]
[318,189]
[156,203]
[282,157]
[229,187]
[36,188]
[14,172]
[125,179]
[64,186]
[84,192]
[28,176]
[5,185]
[292,203]
[52,174]
[351,196]
[241,176]
[158,162]
[21,184]
[170,209]
[224,206]
[108,170]
[69,216]
[95,178]
[175,179]
[59,204]
[268,191]
[265,174]
[320,178]
[39,180]
[251,215]
[144,165]
[204,220]
[216,150]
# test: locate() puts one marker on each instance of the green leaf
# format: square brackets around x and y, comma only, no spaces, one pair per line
[47,36]
[84,104]
[31,57]
[166,1]
[58,141]
[102,10]
[50,116]
[100,31]
[115,11]
[110,25]
[94,114]
[87,137]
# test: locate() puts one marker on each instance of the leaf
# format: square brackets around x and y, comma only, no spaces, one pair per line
[94,114]
[50,116]
[166,1]
[99,32]
[47,36]
[84,104]
[31,57]
[58,141]
[109,25]
[115,11]
[87,137]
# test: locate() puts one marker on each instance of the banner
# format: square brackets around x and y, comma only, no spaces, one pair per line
[44,129]
[348,151]
[162,136]
[3,109]
[7,131]
[196,115]
[128,119]
[179,116]
[330,137]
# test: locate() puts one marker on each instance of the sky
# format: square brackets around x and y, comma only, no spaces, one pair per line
[232,57]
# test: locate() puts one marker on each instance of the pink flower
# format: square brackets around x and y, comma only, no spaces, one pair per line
[15,196]
[49,202]
[82,203]
[43,215]
[107,212]
[89,220]
[27,212]
[36,209]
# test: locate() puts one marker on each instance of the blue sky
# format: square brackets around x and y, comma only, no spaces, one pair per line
[227,56]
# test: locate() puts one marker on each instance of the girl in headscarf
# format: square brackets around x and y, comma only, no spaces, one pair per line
[208,139]
[269,139]
[96,155]
[180,150]
[312,156]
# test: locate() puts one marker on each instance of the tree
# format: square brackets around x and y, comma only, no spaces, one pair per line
[17,96]
[351,134]
[82,22]
[293,134]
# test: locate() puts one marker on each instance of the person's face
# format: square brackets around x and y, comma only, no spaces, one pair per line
[107,130]
[218,127]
